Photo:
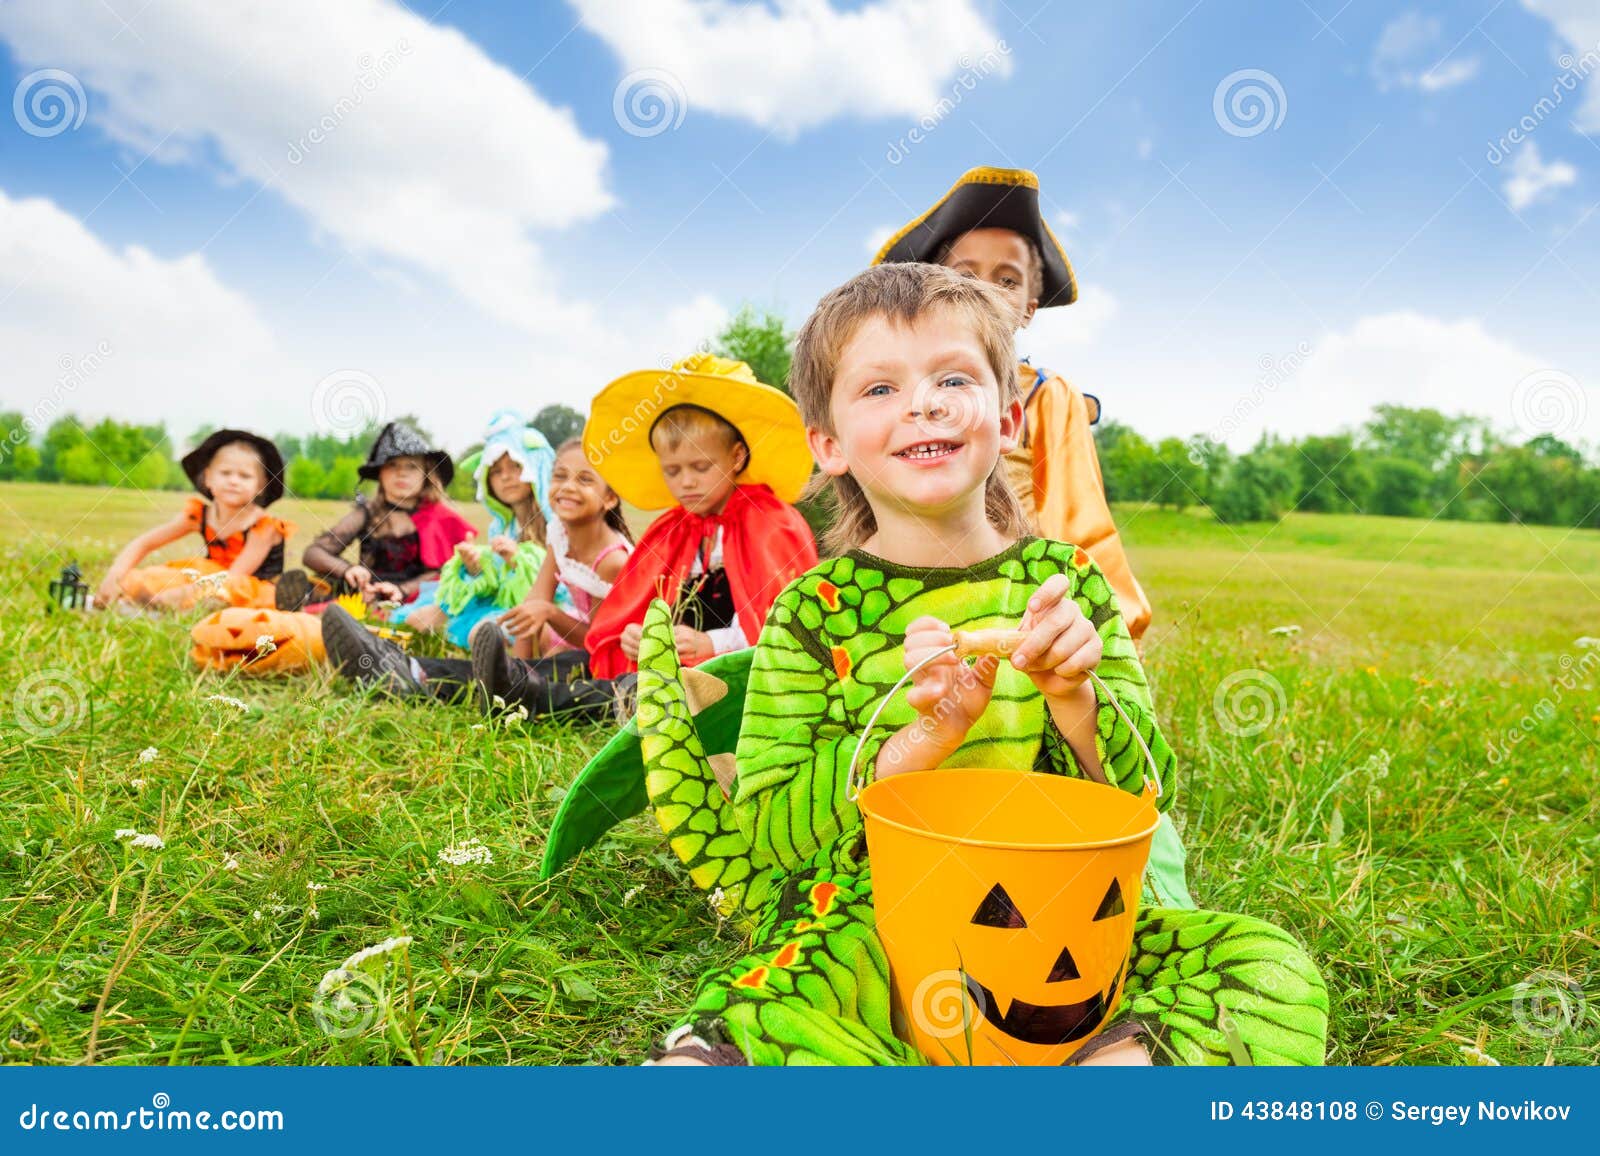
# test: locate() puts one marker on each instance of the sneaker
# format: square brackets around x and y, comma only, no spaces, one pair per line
[495,674]
[367,659]
[293,590]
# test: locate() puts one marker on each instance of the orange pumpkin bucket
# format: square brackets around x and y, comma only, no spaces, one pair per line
[1005,900]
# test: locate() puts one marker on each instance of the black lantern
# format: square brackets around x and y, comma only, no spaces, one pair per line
[69,591]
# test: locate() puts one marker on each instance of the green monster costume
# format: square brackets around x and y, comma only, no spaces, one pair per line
[786,851]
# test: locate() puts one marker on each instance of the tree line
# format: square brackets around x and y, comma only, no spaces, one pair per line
[1403,461]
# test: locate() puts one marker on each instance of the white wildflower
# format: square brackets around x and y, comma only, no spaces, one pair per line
[138,784]
[312,913]
[631,894]
[229,700]
[256,915]
[316,886]
[148,755]
[148,842]
[125,833]
[715,899]
[1478,1056]
[1285,631]
[230,864]
[376,951]
[472,851]
[1588,643]
[265,644]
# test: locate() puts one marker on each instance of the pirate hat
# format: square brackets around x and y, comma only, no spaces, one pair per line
[616,439]
[196,460]
[988,198]
[398,440]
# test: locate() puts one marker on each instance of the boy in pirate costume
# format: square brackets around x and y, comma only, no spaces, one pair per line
[989,226]
[933,541]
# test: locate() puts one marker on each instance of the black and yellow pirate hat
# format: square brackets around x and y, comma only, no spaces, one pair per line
[988,198]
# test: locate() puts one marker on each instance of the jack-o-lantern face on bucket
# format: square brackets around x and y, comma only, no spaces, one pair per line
[1045,1024]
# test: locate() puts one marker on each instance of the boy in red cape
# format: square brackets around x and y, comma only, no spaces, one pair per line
[728,455]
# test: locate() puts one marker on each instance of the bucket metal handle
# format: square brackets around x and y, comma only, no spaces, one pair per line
[1000,643]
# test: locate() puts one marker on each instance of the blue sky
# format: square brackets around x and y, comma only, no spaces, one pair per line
[483,221]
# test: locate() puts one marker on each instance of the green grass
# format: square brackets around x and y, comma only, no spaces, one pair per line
[1436,884]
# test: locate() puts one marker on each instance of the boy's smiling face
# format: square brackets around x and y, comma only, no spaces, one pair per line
[916,415]
[1002,258]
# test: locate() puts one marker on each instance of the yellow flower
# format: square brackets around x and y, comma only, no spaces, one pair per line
[354,605]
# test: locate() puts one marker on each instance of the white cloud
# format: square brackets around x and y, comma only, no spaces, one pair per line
[1408,55]
[799,63]
[1403,358]
[1055,333]
[399,138]
[1578,24]
[1066,221]
[147,328]
[879,237]
[1532,180]
[99,331]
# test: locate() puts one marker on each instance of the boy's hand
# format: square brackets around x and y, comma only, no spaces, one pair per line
[694,646]
[471,557]
[504,546]
[948,694]
[1061,646]
[631,635]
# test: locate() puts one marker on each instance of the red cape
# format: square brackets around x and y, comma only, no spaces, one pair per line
[766,544]
[439,529]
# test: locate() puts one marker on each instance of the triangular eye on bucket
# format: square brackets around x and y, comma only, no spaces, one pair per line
[997,910]
[1112,903]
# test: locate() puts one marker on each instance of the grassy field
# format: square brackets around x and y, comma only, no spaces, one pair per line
[1354,781]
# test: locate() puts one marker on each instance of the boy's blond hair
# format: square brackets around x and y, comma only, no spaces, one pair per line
[902,293]
[697,427]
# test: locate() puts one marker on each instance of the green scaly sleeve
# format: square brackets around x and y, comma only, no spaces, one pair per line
[794,747]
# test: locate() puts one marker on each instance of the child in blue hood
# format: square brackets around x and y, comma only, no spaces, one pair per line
[513,475]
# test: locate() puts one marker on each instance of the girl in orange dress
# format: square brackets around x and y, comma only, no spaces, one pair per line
[238,475]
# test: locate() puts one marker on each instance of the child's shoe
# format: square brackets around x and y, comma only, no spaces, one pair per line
[293,590]
[367,659]
[495,674]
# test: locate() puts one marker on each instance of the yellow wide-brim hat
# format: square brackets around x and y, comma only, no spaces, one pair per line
[988,198]
[616,439]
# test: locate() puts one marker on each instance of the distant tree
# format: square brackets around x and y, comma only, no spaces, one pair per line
[1258,488]
[761,340]
[558,423]
[1333,475]
[1179,478]
[1127,463]
[1399,488]
[1424,436]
